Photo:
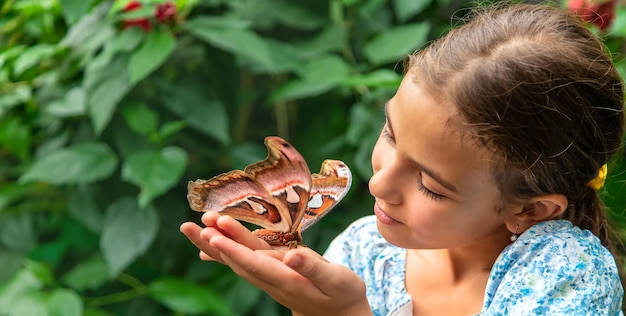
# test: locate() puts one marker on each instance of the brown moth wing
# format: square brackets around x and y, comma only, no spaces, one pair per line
[236,194]
[286,176]
[272,193]
[329,187]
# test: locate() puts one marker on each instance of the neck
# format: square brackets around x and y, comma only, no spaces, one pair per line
[459,264]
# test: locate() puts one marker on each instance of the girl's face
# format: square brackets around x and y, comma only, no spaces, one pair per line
[432,189]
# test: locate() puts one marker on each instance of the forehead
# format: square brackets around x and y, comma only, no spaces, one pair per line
[428,130]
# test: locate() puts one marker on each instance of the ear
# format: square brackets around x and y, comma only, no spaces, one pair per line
[538,209]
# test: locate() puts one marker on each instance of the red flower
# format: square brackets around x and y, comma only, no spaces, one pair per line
[165,12]
[132,6]
[599,12]
[143,23]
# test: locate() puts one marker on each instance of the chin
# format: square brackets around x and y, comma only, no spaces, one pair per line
[394,236]
[399,238]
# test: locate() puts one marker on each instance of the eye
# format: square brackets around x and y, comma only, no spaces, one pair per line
[387,134]
[427,192]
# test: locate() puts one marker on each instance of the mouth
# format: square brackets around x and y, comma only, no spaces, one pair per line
[383,217]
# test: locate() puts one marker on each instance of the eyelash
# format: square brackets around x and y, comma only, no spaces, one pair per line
[420,185]
[388,136]
[428,193]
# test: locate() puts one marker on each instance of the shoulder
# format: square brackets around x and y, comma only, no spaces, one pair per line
[561,249]
[554,266]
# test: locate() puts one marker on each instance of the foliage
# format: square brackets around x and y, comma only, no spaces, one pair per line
[108,108]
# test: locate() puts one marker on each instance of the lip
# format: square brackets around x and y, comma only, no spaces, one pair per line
[383,217]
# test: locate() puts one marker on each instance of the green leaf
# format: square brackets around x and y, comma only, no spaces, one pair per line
[320,75]
[127,233]
[124,42]
[284,58]
[52,252]
[363,130]
[83,208]
[241,42]
[376,78]
[156,48]
[396,43]
[15,137]
[405,9]
[20,286]
[140,118]
[621,67]
[333,38]
[154,172]
[32,56]
[186,297]
[74,9]
[64,302]
[22,295]
[41,271]
[74,103]
[106,79]
[81,163]
[91,31]
[33,303]
[170,128]
[247,153]
[200,111]
[218,22]
[14,98]
[98,312]
[618,26]
[88,275]
[9,54]
[10,263]
[11,192]
[106,83]
[297,14]
[53,143]
[18,233]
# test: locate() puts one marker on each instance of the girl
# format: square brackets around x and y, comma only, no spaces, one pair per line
[485,180]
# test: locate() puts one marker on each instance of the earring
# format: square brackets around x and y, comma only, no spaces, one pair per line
[514,236]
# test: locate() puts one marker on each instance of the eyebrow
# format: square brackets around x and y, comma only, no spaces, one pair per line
[432,174]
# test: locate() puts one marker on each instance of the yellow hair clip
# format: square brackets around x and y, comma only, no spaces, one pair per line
[598,182]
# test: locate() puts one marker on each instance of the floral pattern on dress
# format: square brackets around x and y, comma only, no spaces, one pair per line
[553,268]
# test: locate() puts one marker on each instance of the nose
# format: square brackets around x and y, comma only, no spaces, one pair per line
[386,183]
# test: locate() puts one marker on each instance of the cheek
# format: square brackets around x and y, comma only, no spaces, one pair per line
[435,219]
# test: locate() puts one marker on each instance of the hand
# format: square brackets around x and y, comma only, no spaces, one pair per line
[300,279]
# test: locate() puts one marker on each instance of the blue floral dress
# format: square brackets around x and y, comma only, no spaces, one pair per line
[553,268]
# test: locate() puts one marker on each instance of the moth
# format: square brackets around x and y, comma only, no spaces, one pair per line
[278,193]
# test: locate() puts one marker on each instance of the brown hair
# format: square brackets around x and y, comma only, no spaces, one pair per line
[535,86]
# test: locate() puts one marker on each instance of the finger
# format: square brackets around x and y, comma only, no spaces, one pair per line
[234,230]
[205,257]
[193,232]
[247,262]
[209,218]
[277,253]
[327,277]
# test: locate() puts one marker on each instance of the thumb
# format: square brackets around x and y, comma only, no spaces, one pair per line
[336,282]
[315,268]
[306,262]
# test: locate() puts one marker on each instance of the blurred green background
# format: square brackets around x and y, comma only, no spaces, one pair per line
[108,108]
